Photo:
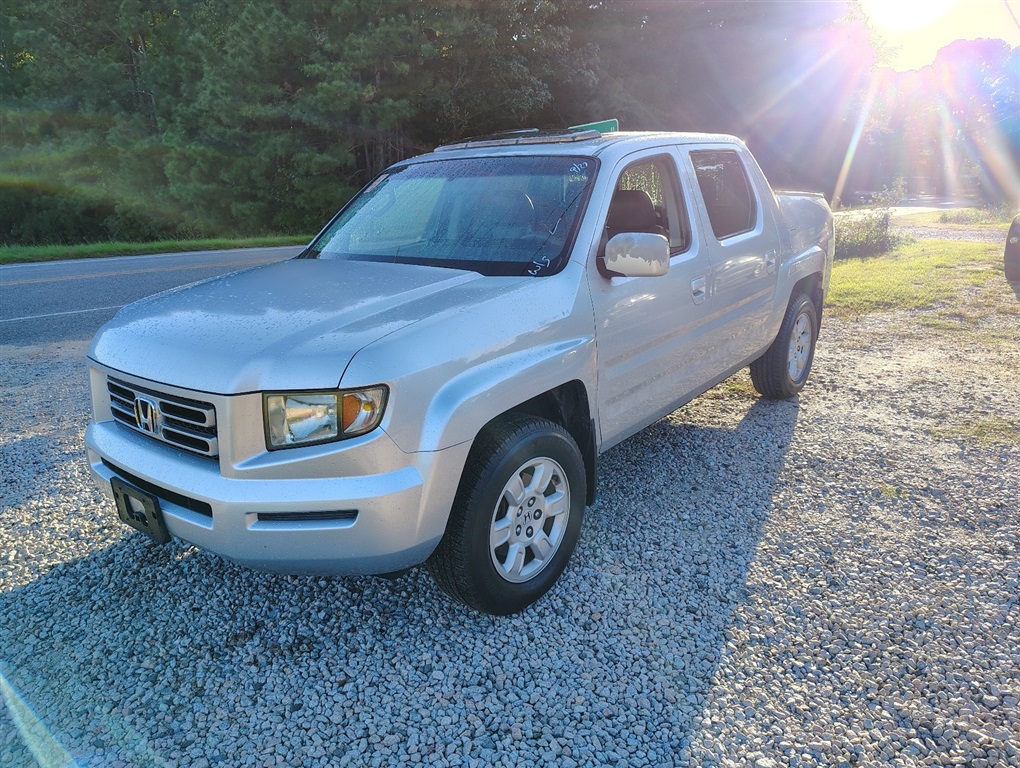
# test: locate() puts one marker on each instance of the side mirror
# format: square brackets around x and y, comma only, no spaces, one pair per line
[635,254]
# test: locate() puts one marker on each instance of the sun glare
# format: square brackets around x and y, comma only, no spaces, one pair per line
[899,15]
[915,30]
[952,139]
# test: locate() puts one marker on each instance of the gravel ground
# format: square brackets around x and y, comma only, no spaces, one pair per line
[827,581]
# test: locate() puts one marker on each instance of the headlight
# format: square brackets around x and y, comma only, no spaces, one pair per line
[307,418]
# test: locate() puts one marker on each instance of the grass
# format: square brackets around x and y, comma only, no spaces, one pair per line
[990,430]
[737,386]
[23,254]
[740,386]
[889,491]
[991,219]
[924,274]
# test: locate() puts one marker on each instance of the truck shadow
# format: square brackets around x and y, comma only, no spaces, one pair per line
[166,655]
[666,550]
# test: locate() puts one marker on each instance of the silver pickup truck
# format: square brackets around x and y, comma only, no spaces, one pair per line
[433,379]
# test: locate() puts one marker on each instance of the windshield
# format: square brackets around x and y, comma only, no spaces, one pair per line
[493,215]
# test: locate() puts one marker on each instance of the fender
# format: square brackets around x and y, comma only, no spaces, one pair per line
[466,403]
[809,225]
[452,373]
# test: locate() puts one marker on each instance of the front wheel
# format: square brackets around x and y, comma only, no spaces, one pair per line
[782,371]
[516,516]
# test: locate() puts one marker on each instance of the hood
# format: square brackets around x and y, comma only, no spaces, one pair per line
[290,325]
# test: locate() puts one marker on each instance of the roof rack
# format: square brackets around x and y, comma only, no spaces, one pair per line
[525,136]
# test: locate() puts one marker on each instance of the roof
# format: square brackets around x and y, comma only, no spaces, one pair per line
[568,142]
[525,136]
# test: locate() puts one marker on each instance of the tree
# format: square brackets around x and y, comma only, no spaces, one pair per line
[951,128]
[146,118]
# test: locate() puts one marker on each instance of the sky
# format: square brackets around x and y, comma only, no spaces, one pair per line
[917,29]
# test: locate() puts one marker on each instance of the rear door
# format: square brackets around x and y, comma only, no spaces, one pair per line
[743,244]
[649,330]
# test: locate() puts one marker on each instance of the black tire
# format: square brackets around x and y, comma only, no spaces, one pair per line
[468,565]
[782,371]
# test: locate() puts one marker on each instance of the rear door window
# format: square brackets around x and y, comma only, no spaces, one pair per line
[732,207]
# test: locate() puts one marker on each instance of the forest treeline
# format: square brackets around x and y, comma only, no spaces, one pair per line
[137,120]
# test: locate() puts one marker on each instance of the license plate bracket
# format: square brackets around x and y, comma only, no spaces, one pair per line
[140,510]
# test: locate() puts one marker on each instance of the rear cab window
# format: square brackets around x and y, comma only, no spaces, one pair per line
[730,202]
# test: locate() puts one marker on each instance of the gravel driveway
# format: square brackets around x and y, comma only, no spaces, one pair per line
[827,581]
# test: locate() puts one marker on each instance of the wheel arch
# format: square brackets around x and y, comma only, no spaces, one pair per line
[568,406]
[811,285]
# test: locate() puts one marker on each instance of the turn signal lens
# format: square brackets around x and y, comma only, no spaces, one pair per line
[362,410]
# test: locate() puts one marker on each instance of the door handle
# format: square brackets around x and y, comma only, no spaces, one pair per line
[698,289]
[770,262]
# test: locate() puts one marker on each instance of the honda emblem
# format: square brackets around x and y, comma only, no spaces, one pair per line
[147,415]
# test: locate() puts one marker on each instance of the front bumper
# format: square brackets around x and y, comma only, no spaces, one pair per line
[278,524]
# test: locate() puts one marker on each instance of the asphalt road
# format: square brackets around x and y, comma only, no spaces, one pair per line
[69,300]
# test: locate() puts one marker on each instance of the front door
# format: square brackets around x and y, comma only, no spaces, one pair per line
[650,330]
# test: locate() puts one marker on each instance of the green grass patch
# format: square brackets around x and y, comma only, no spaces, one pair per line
[889,491]
[919,275]
[992,219]
[989,430]
[939,323]
[740,386]
[22,254]
[969,328]
[736,387]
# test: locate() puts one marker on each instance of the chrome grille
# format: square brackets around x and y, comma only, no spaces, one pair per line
[178,421]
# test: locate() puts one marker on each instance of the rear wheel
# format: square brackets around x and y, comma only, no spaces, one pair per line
[516,517]
[782,371]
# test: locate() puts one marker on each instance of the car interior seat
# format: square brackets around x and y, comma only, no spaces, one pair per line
[632,211]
